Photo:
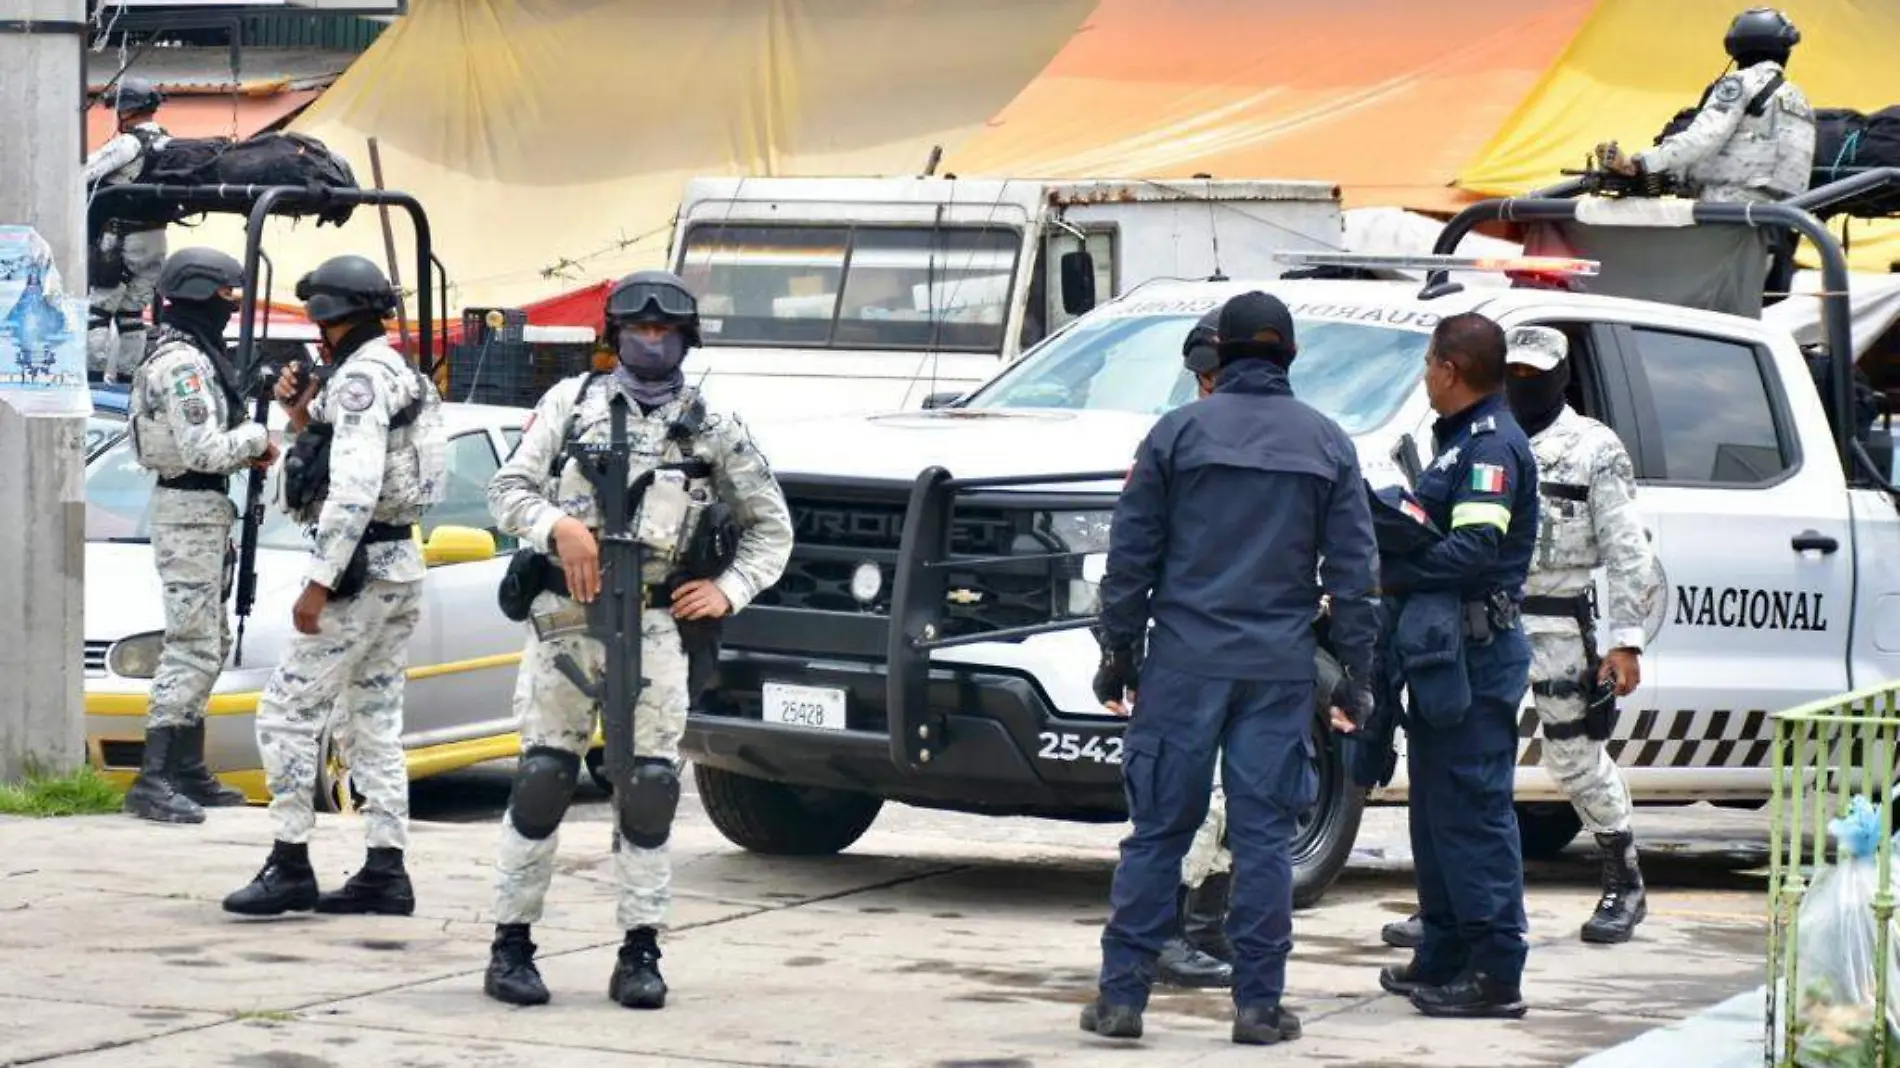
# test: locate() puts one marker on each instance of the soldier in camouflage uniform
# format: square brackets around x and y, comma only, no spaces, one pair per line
[545,499]
[1587,520]
[376,423]
[128,253]
[189,427]
[1752,139]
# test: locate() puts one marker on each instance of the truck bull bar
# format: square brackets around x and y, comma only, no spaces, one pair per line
[920,592]
[1798,214]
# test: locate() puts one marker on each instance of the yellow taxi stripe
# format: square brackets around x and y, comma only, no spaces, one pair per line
[244,704]
[1479,514]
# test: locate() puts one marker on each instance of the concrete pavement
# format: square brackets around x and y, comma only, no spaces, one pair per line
[936,941]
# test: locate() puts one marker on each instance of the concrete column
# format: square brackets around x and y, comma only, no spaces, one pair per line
[42,498]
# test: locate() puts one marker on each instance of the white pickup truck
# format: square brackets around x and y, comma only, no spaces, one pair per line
[923,646]
[826,296]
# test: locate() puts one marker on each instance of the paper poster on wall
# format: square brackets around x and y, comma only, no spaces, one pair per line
[42,331]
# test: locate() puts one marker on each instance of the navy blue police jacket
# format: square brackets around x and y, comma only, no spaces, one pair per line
[1239,509]
[1481,489]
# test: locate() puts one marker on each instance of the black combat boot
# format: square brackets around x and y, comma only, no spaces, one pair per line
[1408,933]
[1111,1021]
[636,983]
[193,778]
[1257,1026]
[284,884]
[1181,963]
[1623,904]
[512,976]
[1402,979]
[1204,916]
[154,794]
[1472,995]
[381,887]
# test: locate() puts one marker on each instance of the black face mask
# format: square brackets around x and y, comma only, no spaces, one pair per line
[1537,400]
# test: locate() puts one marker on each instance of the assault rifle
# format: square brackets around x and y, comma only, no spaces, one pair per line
[613,617]
[253,516]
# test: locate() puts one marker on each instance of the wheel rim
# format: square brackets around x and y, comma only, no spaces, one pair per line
[1311,827]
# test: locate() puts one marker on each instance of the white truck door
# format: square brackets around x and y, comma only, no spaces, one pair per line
[1755,534]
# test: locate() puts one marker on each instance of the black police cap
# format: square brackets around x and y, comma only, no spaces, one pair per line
[1255,324]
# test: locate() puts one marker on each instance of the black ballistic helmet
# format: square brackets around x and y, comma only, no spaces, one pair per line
[1198,351]
[196,274]
[345,287]
[1760,31]
[133,95]
[653,297]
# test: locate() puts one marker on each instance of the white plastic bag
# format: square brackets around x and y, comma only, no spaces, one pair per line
[1834,1021]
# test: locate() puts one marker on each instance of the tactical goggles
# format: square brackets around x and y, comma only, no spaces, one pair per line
[642,299]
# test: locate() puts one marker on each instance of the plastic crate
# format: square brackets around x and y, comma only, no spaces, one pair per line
[1824,754]
[515,364]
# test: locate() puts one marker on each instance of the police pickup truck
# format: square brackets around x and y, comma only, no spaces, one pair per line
[927,643]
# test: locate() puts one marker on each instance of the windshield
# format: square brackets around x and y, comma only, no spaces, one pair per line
[919,288]
[1355,373]
[119,501]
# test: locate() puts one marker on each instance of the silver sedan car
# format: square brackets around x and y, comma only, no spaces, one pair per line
[462,658]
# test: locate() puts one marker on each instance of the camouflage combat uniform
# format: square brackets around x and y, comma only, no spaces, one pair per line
[360,654]
[551,712]
[1728,155]
[187,417]
[119,309]
[1574,537]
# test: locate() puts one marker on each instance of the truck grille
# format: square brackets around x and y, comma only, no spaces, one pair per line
[96,658]
[833,537]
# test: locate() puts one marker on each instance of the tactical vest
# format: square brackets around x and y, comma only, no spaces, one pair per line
[416,457]
[154,442]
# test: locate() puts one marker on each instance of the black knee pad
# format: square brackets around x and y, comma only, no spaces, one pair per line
[544,785]
[653,793]
[98,320]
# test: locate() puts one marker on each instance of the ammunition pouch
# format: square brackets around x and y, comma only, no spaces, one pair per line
[356,573]
[105,267]
[307,467]
[524,579]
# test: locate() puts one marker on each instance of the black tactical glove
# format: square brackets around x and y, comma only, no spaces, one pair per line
[1354,698]
[1118,672]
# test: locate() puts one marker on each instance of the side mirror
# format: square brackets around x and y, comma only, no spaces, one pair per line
[941,400]
[458,545]
[1078,281]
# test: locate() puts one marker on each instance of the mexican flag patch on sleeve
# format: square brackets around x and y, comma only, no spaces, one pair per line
[1487,478]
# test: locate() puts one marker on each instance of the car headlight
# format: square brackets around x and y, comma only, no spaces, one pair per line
[1081,532]
[136,657]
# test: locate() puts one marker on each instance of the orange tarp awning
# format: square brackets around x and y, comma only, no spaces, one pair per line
[1389,98]
[209,115]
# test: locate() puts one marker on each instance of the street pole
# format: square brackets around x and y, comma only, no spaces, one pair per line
[42,491]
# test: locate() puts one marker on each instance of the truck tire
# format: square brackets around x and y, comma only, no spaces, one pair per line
[1323,837]
[779,820]
[1544,828]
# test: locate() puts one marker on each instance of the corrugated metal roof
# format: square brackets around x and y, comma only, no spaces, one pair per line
[177,69]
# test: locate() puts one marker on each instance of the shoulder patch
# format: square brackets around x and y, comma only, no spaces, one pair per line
[195,411]
[1728,90]
[356,393]
[1487,478]
[185,381]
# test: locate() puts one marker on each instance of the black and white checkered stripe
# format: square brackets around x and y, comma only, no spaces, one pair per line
[1651,738]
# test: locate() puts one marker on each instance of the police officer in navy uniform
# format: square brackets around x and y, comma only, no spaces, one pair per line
[1240,507]
[1467,664]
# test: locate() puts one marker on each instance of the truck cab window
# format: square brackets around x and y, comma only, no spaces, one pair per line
[1713,409]
[471,464]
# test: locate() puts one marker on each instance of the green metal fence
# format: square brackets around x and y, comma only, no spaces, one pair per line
[1825,753]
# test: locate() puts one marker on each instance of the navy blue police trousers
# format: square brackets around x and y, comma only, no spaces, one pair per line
[1262,733]
[1465,845]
